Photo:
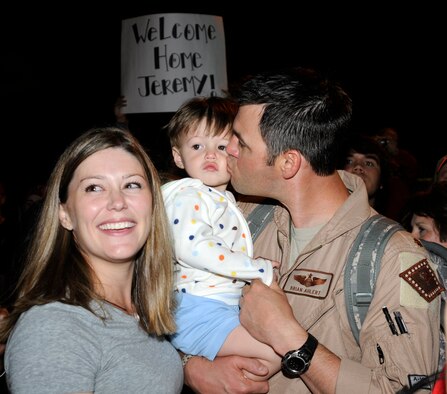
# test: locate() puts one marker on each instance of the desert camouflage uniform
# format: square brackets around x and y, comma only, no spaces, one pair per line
[315,289]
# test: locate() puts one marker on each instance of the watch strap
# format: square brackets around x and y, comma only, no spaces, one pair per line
[311,343]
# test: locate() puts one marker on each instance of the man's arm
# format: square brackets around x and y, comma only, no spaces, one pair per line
[224,375]
[268,316]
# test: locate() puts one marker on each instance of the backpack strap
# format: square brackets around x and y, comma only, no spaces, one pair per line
[363,266]
[438,255]
[258,219]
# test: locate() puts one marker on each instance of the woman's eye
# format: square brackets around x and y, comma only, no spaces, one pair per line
[93,188]
[133,185]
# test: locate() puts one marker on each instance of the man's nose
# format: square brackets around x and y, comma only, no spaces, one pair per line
[232,147]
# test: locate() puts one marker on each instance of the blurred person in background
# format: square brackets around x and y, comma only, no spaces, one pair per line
[441,170]
[429,214]
[366,158]
[404,170]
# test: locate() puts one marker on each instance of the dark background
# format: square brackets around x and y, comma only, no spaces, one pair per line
[61,69]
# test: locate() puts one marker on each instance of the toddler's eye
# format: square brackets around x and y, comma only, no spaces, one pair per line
[196,147]
[222,147]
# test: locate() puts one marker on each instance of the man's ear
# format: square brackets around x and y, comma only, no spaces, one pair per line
[177,158]
[64,218]
[290,163]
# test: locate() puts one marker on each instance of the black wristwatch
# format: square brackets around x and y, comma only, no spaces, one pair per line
[296,362]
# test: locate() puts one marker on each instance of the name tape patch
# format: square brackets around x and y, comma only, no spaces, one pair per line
[309,283]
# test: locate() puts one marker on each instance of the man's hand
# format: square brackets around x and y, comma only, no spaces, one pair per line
[268,316]
[225,375]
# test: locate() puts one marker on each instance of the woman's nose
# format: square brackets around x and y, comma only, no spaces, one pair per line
[117,200]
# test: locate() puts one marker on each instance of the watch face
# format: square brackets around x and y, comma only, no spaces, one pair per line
[296,364]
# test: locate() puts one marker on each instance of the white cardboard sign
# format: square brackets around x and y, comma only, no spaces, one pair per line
[169,58]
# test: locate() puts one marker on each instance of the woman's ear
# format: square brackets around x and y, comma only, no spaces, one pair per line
[177,158]
[290,163]
[64,218]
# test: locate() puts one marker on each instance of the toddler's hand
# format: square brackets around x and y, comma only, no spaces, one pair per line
[275,265]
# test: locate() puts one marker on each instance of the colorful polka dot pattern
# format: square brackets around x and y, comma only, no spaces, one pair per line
[211,243]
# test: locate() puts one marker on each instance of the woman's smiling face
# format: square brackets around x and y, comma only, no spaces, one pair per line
[109,207]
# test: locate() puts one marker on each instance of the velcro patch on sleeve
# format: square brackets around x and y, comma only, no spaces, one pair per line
[414,380]
[421,277]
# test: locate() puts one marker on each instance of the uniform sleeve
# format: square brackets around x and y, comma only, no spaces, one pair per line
[203,238]
[48,352]
[389,361]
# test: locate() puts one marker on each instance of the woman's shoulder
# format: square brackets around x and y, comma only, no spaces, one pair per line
[55,325]
[57,317]
[60,334]
[50,316]
[54,310]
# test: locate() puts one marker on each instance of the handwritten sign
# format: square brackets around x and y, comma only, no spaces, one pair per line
[167,59]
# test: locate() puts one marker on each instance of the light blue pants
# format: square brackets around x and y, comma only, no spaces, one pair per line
[203,324]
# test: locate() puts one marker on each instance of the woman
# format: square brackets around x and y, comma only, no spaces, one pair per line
[429,214]
[95,297]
